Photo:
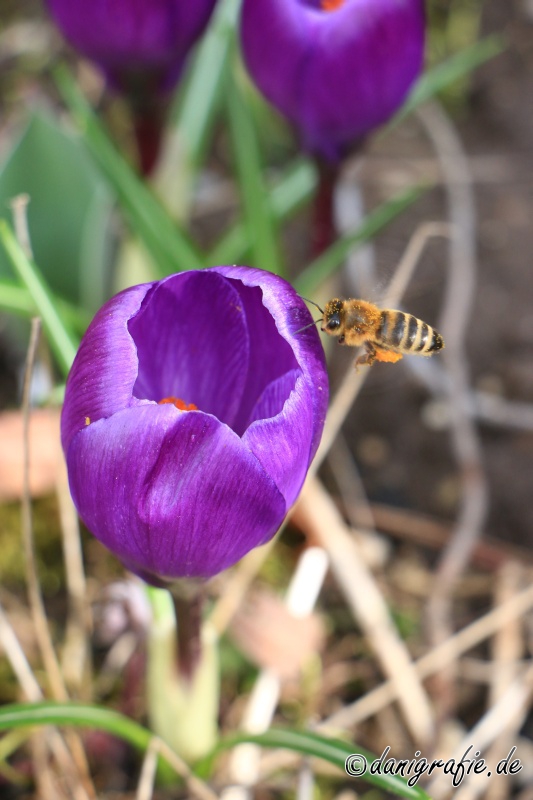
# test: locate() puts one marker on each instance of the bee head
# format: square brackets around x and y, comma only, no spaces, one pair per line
[333,316]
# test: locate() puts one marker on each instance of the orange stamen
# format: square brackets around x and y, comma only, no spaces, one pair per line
[180,404]
[331,5]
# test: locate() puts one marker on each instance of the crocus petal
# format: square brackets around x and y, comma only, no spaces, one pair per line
[289,429]
[335,74]
[105,367]
[186,364]
[290,315]
[132,36]
[151,501]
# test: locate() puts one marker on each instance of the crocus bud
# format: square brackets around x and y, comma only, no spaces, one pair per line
[133,41]
[193,409]
[336,68]
[141,46]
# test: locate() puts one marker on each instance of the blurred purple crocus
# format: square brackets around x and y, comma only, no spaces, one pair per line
[140,45]
[336,68]
[192,412]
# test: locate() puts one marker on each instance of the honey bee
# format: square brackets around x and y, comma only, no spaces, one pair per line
[385,334]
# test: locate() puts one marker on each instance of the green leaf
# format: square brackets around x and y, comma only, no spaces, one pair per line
[168,246]
[68,213]
[258,217]
[18,715]
[334,751]
[293,189]
[16,299]
[441,76]
[202,95]
[61,340]
[332,258]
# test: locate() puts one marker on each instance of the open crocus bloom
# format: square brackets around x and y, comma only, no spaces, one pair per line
[192,412]
[336,68]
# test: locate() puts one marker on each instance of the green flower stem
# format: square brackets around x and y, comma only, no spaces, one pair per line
[182,673]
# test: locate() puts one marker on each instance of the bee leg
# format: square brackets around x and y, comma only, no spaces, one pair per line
[368,358]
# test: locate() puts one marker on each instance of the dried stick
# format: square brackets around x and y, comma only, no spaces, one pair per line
[326,525]
[459,298]
[377,699]
[37,609]
[353,381]
[238,584]
[444,653]
[512,708]
[505,413]
[300,599]
[145,787]
[34,593]
[76,649]
[350,485]
[196,787]
[507,650]
[32,692]
[489,554]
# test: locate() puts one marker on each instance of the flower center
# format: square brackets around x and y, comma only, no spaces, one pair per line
[331,5]
[180,404]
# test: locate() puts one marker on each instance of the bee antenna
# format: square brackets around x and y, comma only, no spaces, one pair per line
[312,303]
[305,327]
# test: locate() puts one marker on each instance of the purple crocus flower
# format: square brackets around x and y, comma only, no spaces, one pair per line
[192,412]
[135,42]
[336,68]
[141,46]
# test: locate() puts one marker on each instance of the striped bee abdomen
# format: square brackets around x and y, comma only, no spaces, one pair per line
[407,334]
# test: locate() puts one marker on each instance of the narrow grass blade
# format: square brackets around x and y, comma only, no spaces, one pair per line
[293,189]
[457,66]
[16,299]
[202,95]
[18,715]
[334,751]
[169,247]
[62,342]
[258,217]
[332,258]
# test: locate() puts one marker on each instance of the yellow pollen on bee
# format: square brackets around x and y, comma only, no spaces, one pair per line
[331,5]
[387,356]
[87,420]
[180,404]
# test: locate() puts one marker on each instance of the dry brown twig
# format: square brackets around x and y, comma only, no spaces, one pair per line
[299,600]
[441,655]
[32,692]
[510,710]
[447,652]
[353,381]
[459,298]
[507,651]
[83,787]
[196,787]
[76,648]
[324,523]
